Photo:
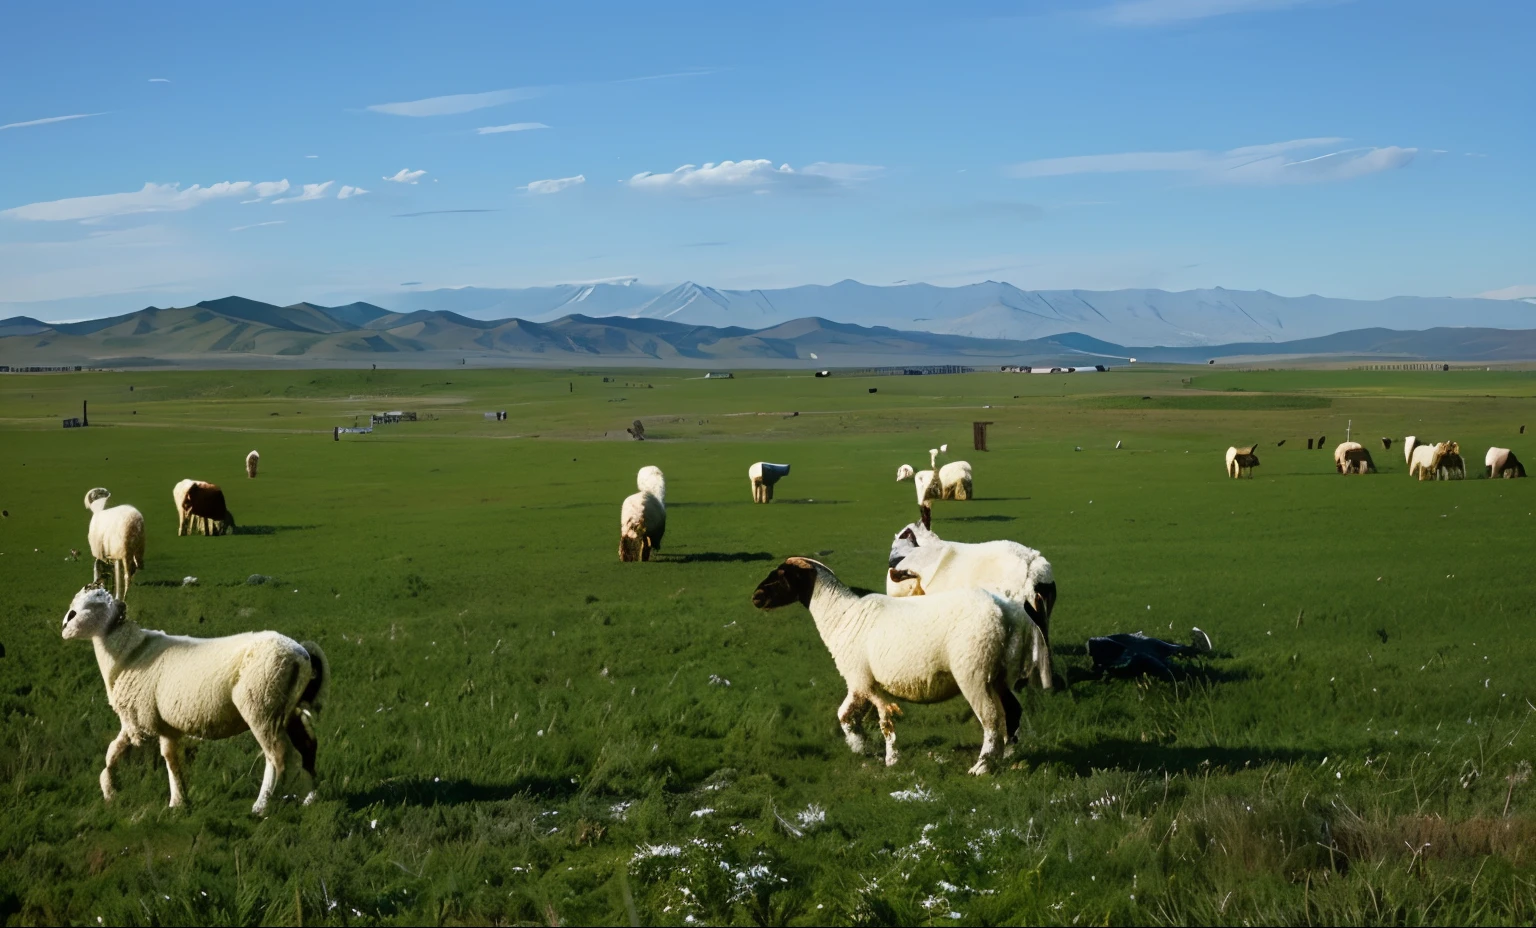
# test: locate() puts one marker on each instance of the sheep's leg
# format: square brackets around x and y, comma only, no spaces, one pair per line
[888,712]
[306,743]
[1013,712]
[115,752]
[848,717]
[96,569]
[170,749]
[274,744]
[767,492]
[989,710]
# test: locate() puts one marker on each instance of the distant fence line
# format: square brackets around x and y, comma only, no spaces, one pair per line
[1412,366]
[909,371]
[5,369]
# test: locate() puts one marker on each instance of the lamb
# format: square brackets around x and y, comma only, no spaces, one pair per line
[904,472]
[922,563]
[926,649]
[1501,462]
[203,509]
[763,476]
[643,517]
[1350,457]
[251,460]
[1241,460]
[955,481]
[1421,459]
[172,687]
[116,537]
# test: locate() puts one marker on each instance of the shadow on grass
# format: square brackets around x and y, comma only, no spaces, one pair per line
[984,519]
[420,791]
[269,529]
[714,557]
[1124,754]
[809,502]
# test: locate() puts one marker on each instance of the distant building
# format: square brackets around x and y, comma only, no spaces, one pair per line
[719,375]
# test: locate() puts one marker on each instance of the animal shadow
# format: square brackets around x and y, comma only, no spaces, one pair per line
[715,557]
[269,529]
[420,791]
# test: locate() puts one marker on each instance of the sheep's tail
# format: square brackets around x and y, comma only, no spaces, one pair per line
[320,679]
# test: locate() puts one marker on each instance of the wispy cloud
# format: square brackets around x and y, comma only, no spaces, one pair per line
[1518,292]
[1260,165]
[510,127]
[755,176]
[159,80]
[268,188]
[1164,12]
[554,185]
[696,72]
[347,192]
[151,198]
[406,176]
[47,120]
[310,192]
[257,225]
[439,212]
[456,103]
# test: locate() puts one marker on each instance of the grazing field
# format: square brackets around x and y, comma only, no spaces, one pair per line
[524,730]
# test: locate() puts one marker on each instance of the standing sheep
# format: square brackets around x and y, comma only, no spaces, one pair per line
[1448,462]
[1350,457]
[1409,443]
[763,476]
[955,481]
[203,508]
[922,563]
[926,649]
[172,687]
[927,485]
[251,460]
[1501,462]
[116,539]
[1240,461]
[643,517]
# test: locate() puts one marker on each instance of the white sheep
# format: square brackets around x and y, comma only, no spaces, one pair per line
[651,480]
[1501,462]
[172,687]
[922,563]
[763,476]
[927,485]
[643,517]
[904,472]
[251,460]
[1241,460]
[1409,443]
[186,522]
[955,481]
[116,537]
[1351,457]
[922,649]
[1439,461]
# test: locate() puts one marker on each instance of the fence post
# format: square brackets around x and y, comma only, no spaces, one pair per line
[979,435]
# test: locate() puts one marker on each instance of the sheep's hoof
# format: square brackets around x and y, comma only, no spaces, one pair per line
[855,743]
[980,769]
[259,808]
[891,757]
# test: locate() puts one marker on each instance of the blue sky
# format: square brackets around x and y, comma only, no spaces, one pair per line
[165,154]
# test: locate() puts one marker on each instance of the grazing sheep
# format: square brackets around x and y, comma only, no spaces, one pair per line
[1356,461]
[185,524]
[116,539]
[203,508]
[1421,459]
[955,481]
[922,649]
[927,491]
[922,563]
[1386,444]
[904,472]
[172,687]
[1338,454]
[1501,462]
[1240,461]
[763,476]
[1448,462]
[1409,443]
[251,460]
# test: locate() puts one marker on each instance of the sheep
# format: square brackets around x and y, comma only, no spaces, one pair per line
[651,480]
[927,486]
[1421,459]
[1338,454]
[172,687]
[643,517]
[251,460]
[1357,461]
[904,472]
[1409,443]
[116,537]
[1386,444]
[1501,462]
[955,481]
[922,563]
[203,508]
[1240,460]
[925,649]
[185,521]
[763,476]
[1448,462]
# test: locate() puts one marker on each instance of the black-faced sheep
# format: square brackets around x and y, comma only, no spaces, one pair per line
[1501,462]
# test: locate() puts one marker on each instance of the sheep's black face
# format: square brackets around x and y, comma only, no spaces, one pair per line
[788,583]
[1040,608]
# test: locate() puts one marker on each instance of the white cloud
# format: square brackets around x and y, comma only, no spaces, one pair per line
[406,176]
[159,80]
[757,176]
[1254,165]
[267,188]
[554,185]
[347,192]
[44,122]
[257,225]
[151,198]
[311,156]
[455,103]
[510,127]
[1163,12]
[311,192]
[1518,292]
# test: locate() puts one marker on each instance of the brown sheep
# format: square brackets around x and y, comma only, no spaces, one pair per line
[1358,461]
[205,501]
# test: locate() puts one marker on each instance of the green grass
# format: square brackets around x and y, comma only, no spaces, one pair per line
[523,729]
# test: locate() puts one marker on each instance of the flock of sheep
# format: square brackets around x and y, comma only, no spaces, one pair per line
[969,620]
[170,687]
[1426,460]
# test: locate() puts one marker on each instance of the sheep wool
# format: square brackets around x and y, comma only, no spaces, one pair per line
[642,522]
[904,472]
[116,538]
[955,481]
[186,522]
[1241,460]
[651,480]
[1501,462]
[923,649]
[251,460]
[169,687]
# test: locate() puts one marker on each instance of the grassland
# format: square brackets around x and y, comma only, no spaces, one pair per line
[524,730]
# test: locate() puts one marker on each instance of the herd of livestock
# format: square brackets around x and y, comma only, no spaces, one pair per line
[1426,460]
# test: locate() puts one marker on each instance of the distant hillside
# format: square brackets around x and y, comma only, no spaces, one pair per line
[234,331]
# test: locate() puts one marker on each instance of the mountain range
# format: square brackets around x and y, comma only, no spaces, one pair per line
[990,309]
[239,332]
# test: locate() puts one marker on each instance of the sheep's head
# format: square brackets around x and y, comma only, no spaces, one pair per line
[1040,595]
[92,612]
[904,472]
[790,582]
[96,499]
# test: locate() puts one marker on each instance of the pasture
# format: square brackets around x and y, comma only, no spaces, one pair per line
[524,730]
